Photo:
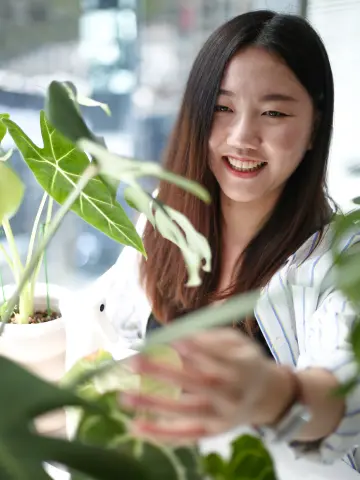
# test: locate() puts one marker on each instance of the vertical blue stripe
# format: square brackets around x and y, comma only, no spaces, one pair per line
[286,291]
[281,326]
[316,236]
[351,461]
[303,312]
[267,338]
[348,243]
[313,268]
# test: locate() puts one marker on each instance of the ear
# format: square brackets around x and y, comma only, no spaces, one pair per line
[316,123]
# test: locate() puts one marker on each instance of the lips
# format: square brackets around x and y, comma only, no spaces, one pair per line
[244,165]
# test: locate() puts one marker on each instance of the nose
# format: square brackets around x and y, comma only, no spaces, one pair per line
[243,134]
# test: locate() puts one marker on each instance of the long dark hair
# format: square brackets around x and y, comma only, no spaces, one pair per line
[303,206]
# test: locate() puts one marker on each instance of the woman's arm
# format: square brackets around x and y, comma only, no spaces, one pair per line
[314,388]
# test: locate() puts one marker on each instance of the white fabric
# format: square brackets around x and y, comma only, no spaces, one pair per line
[305,325]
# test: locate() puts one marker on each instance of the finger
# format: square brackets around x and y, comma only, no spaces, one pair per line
[236,360]
[190,406]
[179,431]
[183,433]
[216,337]
[194,380]
[221,347]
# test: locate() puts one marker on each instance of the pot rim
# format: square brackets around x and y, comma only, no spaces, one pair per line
[56,292]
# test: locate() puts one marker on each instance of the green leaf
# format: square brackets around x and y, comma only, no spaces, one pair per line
[343,225]
[250,460]
[3,128]
[85,101]
[185,184]
[58,166]
[62,110]
[356,200]
[140,200]
[119,376]
[127,170]
[12,192]
[190,458]
[160,461]
[63,113]
[96,429]
[215,466]
[347,387]
[194,246]
[355,340]
[89,102]
[171,224]
[23,453]
[4,156]
[176,228]
[347,272]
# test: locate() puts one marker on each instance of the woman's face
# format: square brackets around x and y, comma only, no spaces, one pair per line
[262,126]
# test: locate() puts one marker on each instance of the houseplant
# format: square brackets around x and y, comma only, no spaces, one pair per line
[36,336]
[90,172]
[40,344]
[23,452]
[56,166]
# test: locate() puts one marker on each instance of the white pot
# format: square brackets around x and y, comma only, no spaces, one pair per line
[39,347]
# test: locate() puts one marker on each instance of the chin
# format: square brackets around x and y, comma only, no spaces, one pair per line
[242,197]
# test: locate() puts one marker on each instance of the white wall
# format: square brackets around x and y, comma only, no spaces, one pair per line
[338,23]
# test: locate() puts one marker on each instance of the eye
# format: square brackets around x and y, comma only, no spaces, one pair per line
[102,307]
[274,113]
[222,108]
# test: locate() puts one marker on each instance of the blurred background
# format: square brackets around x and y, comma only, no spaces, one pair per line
[135,55]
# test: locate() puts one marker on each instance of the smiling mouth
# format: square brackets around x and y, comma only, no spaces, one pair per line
[244,166]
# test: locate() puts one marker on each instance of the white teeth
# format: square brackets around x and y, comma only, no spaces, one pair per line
[244,166]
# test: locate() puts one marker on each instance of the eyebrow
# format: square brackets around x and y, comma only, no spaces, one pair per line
[270,97]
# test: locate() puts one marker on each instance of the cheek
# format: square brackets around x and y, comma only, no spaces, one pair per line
[291,143]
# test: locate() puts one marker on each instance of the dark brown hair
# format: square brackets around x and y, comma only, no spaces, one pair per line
[303,206]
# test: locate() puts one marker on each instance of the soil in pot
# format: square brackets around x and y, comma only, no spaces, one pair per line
[38,317]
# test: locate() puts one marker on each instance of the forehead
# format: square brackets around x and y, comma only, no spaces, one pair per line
[256,69]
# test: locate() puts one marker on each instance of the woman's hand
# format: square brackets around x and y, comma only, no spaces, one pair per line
[228,381]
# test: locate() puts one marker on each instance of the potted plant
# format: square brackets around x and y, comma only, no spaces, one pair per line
[35,336]
[62,109]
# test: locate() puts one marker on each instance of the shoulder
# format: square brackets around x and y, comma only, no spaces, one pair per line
[312,262]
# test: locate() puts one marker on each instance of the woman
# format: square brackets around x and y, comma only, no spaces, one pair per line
[254,127]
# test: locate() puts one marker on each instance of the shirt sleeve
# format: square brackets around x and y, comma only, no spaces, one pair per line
[328,347]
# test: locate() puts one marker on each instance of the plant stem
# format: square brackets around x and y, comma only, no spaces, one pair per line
[26,304]
[48,220]
[26,299]
[2,288]
[7,258]
[35,227]
[17,265]
[46,275]
[91,171]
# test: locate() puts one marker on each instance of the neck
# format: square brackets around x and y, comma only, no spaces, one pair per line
[242,221]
